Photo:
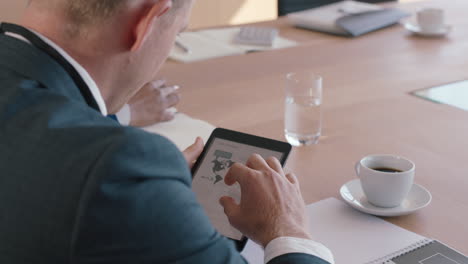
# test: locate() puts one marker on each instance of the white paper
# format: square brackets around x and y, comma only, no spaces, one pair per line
[201,48]
[182,130]
[353,237]
[213,43]
[227,35]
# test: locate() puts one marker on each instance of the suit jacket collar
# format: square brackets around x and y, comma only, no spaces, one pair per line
[37,60]
[34,64]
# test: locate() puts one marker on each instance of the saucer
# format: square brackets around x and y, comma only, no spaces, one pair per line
[415,29]
[417,198]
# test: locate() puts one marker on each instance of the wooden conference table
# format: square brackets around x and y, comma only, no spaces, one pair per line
[367,109]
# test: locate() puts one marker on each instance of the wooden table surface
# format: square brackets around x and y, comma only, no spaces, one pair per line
[367,109]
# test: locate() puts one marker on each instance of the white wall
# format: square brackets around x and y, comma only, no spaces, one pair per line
[206,13]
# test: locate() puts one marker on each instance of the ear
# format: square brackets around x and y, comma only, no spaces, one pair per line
[145,24]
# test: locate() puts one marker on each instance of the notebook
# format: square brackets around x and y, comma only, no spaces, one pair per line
[182,130]
[347,18]
[214,43]
[357,238]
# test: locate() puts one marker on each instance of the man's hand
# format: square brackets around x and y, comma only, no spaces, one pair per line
[151,104]
[192,153]
[271,202]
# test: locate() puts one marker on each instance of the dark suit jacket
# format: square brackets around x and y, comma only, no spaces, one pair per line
[76,187]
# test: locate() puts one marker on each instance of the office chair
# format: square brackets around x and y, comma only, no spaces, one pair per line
[288,6]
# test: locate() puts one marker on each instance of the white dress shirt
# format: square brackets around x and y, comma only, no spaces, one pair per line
[124,115]
[276,247]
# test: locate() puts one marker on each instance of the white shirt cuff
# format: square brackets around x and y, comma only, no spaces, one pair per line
[124,115]
[285,245]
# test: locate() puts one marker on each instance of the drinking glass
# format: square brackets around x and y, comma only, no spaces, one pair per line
[303,113]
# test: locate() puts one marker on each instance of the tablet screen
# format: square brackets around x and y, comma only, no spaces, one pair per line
[208,179]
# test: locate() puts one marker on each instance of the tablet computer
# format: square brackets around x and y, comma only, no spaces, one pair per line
[223,149]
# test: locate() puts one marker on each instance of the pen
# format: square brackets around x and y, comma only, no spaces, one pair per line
[182,46]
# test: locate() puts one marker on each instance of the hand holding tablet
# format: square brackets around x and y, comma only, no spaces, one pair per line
[271,204]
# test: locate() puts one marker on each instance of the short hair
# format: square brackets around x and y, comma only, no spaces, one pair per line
[88,12]
[84,12]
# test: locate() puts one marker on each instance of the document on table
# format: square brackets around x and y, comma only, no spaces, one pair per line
[182,130]
[213,43]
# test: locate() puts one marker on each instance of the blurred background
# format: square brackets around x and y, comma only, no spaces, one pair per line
[206,13]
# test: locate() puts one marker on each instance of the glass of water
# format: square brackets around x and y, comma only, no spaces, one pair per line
[303,114]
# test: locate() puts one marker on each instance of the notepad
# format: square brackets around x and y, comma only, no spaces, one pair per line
[214,43]
[182,130]
[357,238]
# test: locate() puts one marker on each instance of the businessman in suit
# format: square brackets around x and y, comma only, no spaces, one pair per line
[77,187]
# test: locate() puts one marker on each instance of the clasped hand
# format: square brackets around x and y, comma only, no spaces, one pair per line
[151,104]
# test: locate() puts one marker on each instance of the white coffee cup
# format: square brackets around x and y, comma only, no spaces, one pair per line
[431,20]
[382,187]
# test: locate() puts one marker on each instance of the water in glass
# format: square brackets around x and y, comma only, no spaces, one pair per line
[303,120]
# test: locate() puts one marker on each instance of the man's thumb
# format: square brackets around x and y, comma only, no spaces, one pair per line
[193,152]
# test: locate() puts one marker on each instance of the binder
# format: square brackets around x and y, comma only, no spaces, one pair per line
[347,18]
[426,251]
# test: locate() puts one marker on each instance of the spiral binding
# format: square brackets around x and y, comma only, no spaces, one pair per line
[406,250]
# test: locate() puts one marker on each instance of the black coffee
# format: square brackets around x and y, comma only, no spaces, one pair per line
[385,169]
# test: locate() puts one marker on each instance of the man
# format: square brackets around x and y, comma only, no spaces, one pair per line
[76,187]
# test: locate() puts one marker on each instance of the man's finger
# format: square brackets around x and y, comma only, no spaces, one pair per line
[231,209]
[292,178]
[172,100]
[167,90]
[257,162]
[275,165]
[238,173]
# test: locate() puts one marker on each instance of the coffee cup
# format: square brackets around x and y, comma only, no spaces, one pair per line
[385,179]
[431,20]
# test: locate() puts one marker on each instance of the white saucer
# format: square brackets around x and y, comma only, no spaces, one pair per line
[415,29]
[417,198]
